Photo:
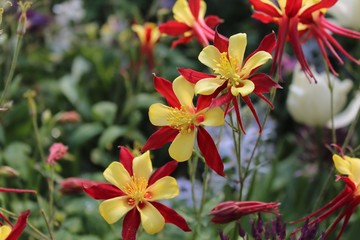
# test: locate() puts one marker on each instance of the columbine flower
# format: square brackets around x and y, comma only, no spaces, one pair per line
[8,231]
[134,192]
[303,19]
[347,200]
[148,34]
[57,151]
[226,59]
[190,22]
[229,211]
[310,103]
[181,122]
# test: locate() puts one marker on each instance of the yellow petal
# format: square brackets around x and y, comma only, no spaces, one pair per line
[210,56]
[114,209]
[247,88]
[354,168]
[256,60]
[208,86]
[184,91]
[237,46]
[117,175]
[140,31]
[164,188]
[202,9]
[151,219]
[4,232]
[159,114]
[182,13]
[214,117]
[182,146]
[142,166]
[341,165]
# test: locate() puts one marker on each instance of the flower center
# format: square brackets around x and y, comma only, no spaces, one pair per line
[184,119]
[230,70]
[136,190]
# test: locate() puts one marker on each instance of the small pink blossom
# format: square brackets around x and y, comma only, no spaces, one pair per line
[74,185]
[57,151]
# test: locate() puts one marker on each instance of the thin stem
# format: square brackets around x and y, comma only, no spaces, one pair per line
[51,197]
[192,165]
[47,224]
[331,89]
[351,131]
[12,69]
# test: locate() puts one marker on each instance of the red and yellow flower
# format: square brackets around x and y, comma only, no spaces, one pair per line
[148,35]
[300,20]
[8,231]
[233,73]
[190,21]
[346,201]
[182,122]
[133,192]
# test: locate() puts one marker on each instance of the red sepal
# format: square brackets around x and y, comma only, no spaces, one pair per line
[263,83]
[322,4]
[131,224]
[264,18]
[159,138]
[221,42]
[194,76]
[237,113]
[19,226]
[174,28]
[266,8]
[164,87]
[209,151]
[15,190]
[126,159]
[182,40]
[171,216]
[163,171]
[213,21]
[103,191]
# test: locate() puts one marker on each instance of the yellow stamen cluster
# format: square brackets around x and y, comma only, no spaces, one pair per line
[228,68]
[136,190]
[181,119]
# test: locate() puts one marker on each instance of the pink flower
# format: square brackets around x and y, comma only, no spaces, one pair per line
[75,185]
[57,151]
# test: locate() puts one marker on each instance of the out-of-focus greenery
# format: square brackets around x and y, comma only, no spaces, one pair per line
[100,75]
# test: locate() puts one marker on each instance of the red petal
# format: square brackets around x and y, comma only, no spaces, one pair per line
[193,76]
[163,171]
[164,87]
[209,151]
[213,21]
[248,102]
[266,8]
[223,99]
[292,7]
[159,138]
[264,18]
[194,6]
[263,83]
[126,159]
[19,226]
[322,4]
[282,37]
[182,40]
[171,216]
[131,224]
[221,42]
[103,191]
[295,43]
[174,28]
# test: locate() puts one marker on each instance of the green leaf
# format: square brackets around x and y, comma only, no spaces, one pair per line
[110,135]
[85,133]
[105,112]
[17,155]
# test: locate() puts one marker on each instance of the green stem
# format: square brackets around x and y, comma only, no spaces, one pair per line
[192,165]
[12,69]
[351,131]
[51,197]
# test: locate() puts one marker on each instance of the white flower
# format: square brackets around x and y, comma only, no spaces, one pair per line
[345,13]
[310,104]
[68,11]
